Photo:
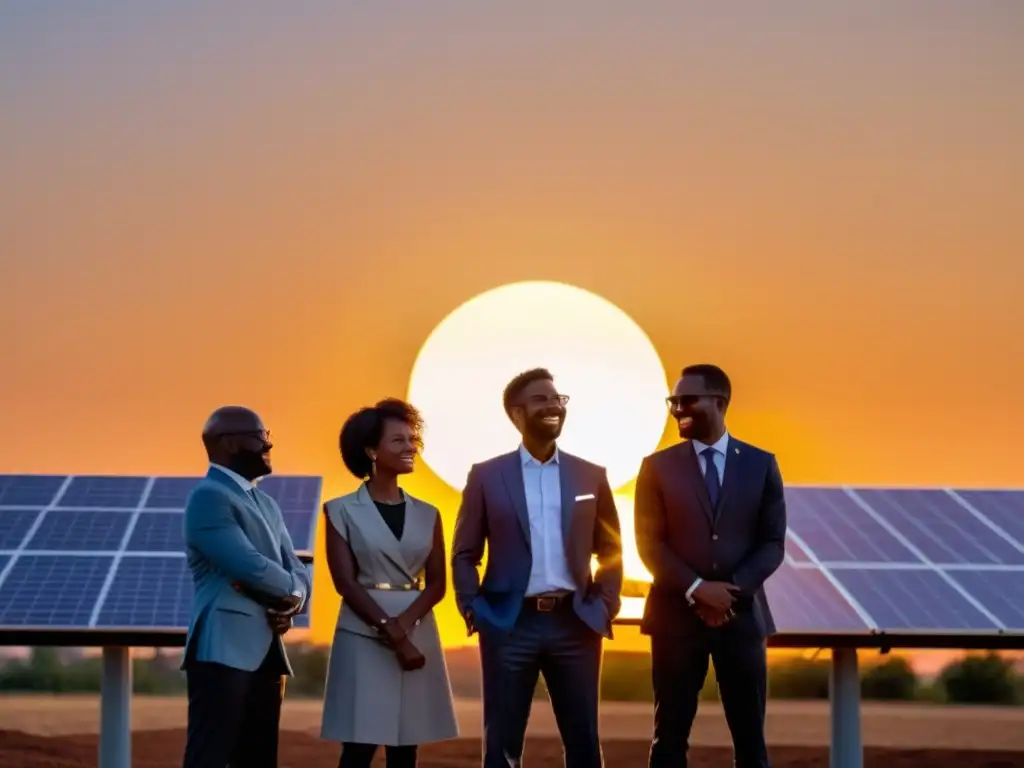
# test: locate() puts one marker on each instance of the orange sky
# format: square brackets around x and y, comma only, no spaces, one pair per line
[277,210]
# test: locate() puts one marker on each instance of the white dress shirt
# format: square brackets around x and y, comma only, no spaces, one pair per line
[297,588]
[550,570]
[720,448]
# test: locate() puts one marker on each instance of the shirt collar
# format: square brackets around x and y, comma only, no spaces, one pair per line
[527,458]
[720,445]
[242,482]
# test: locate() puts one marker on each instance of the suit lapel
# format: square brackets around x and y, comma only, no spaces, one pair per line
[366,512]
[512,476]
[248,498]
[695,479]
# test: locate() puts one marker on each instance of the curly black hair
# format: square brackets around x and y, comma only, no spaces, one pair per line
[363,429]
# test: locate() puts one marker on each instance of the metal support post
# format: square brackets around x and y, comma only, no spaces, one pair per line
[116,709]
[844,690]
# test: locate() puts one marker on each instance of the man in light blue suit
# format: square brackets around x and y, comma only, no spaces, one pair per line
[248,585]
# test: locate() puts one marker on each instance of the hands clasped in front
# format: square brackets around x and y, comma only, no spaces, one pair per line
[280,612]
[395,634]
[713,601]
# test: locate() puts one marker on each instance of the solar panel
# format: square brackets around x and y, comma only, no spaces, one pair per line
[832,525]
[29,490]
[15,524]
[943,530]
[911,600]
[158,532]
[104,492]
[1001,592]
[53,591]
[170,492]
[804,600]
[80,530]
[105,552]
[897,561]
[148,592]
[908,560]
[1005,509]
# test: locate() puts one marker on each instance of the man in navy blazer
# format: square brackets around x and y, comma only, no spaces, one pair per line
[710,527]
[248,584]
[543,515]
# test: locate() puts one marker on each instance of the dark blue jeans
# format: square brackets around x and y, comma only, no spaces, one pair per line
[559,646]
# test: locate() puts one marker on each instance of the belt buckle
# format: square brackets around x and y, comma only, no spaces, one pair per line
[546,604]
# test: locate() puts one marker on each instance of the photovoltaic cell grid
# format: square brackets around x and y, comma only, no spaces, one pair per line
[902,560]
[107,552]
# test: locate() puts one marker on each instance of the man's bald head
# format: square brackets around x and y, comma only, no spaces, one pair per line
[235,438]
[231,419]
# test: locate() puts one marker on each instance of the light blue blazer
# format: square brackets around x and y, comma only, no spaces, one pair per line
[229,538]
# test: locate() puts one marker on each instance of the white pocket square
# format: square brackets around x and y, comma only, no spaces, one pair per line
[585,497]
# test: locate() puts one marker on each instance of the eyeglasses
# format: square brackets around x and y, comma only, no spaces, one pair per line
[263,435]
[542,400]
[676,401]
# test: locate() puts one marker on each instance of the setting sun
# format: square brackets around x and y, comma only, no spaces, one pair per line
[599,357]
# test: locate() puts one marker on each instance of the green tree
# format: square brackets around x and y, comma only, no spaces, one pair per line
[987,679]
[892,680]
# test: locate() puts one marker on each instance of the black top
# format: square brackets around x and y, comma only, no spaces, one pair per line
[394,516]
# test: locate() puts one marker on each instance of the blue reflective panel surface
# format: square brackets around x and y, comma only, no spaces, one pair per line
[795,551]
[911,600]
[101,491]
[836,529]
[29,490]
[148,592]
[295,493]
[803,600]
[300,527]
[14,524]
[52,590]
[170,492]
[1001,592]
[941,528]
[80,530]
[1004,508]
[158,532]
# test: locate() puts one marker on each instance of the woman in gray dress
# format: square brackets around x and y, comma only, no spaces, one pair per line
[387,682]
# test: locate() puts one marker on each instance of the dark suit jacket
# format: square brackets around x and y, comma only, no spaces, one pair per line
[680,537]
[494,512]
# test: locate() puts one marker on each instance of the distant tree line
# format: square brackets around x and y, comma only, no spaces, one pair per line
[974,679]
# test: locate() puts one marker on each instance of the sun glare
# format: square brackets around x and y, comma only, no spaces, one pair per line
[598,355]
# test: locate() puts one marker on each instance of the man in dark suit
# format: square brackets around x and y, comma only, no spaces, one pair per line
[710,527]
[543,514]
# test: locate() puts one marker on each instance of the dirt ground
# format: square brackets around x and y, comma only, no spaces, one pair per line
[59,732]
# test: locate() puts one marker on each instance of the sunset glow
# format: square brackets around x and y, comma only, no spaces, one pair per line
[307,233]
[598,355]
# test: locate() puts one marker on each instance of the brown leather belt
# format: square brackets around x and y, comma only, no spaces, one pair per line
[547,603]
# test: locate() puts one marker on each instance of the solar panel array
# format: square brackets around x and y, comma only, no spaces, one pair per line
[107,553]
[898,561]
[901,561]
